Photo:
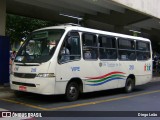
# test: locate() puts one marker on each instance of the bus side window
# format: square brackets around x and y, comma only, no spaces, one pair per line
[70,49]
[107,47]
[126,49]
[143,50]
[90,47]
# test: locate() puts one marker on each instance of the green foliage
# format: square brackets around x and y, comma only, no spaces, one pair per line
[18,27]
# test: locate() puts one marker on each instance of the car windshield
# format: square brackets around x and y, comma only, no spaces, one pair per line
[40,46]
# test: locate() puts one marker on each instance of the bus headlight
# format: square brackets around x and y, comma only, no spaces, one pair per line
[46,75]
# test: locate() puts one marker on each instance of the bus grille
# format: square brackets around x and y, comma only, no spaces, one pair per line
[24,84]
[24,75]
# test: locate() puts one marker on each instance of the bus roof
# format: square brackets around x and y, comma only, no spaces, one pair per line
[90,30]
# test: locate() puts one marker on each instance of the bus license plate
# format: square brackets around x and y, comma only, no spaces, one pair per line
[22,88]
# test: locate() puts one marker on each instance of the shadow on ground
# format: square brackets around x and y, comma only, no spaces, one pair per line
[44,99]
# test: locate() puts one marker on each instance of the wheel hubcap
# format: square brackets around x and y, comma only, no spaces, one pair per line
[72,91]
[129,86]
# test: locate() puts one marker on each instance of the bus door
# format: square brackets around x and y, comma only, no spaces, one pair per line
[69,59]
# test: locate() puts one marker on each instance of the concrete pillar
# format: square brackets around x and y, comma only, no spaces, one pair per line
[2,17]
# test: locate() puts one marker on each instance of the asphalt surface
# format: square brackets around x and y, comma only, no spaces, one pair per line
[143,98]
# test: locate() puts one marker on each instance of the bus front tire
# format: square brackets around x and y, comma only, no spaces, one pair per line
[129,86]
[72,91]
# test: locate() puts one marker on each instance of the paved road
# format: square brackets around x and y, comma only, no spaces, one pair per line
[144,98]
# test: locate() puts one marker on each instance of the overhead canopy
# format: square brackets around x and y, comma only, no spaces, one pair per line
[99,14]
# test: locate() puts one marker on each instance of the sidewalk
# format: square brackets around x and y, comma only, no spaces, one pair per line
[156,76]
[155,79]
[6,92]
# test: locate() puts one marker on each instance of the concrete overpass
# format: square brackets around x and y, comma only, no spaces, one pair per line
[111,15]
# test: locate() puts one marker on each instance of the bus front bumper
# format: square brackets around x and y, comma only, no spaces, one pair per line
[39,85]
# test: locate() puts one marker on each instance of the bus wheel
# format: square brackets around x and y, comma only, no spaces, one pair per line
[130,84]
[72,91]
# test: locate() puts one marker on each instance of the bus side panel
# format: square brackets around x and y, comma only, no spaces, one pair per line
[143,72]
[83,70]
[64,73]
[107,77]
[95,75]
[140,69]
[102,75]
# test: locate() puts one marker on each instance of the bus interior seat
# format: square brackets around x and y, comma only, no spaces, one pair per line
[113,56]
[45,51]
[93,54]
[140,57]
[132,56]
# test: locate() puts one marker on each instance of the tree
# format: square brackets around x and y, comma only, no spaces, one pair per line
[18,27]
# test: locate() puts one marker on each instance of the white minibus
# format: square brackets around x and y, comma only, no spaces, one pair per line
[70,60]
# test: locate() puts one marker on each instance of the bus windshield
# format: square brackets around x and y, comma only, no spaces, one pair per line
[40,46]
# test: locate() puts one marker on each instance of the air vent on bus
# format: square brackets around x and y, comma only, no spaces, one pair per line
[24,75]
[24,84]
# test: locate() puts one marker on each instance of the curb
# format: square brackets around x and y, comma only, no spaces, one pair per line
[155,79]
